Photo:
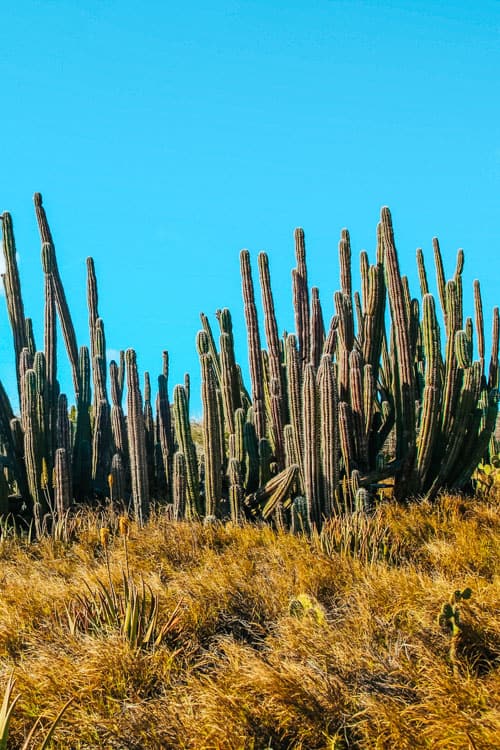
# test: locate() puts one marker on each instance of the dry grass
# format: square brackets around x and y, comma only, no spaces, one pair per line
[363,664]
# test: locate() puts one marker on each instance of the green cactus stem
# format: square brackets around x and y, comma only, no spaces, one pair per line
[179,486]
[329,447]
[254,349]
[187,447]
[49,263]
[405,390]
[301,298]
[136,441]
[211,437]
[13,296]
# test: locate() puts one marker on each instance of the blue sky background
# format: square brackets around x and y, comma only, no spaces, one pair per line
[166,136]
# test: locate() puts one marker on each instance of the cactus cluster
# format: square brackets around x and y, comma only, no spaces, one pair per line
[331,416]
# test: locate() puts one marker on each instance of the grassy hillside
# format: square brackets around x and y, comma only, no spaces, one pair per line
[263,639]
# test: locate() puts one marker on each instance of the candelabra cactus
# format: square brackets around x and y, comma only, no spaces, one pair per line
[331,415]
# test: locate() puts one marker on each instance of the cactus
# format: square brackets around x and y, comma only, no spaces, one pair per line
[62,483]
[301,297]
[212,437]
[50,267]
[312,476]
[83,435]
[186,446]
[136,441]
[33,450]
[179,486]
[277,399]
[449,619]
[254,352]
[13,297]
[329,451]
[329,416]
[405,388]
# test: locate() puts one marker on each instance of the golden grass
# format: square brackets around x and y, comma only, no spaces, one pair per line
[362,664]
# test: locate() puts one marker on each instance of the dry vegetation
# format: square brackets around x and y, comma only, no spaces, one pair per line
[264,640]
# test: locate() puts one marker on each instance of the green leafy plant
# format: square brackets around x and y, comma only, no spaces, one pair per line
[133,611]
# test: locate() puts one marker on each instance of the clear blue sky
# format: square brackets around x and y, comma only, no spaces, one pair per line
[166,136]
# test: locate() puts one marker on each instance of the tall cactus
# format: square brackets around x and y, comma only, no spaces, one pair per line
[187,448]
[405,387]
[254,352]
[212,437]
[136,441]
[50,267]
[13,297]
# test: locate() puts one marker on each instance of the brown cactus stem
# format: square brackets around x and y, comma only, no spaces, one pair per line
[301,297]
[493,371]
[405,394]
[276,410]
[63,435]
[254,348]
[116,395]
[290,442]
[331,338]
[33,450]
[13,297]
[317,335]
[294,386]
[357,407]
[345,264]
[136,441]
[346,442]
[329,443]
[359,314]
[50,266]
[62,483]
[312,470]
[211,437]
[277,491]
[118,480]
[277,405]
[369,394]
[345,341]
[422,273]
[235,489]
